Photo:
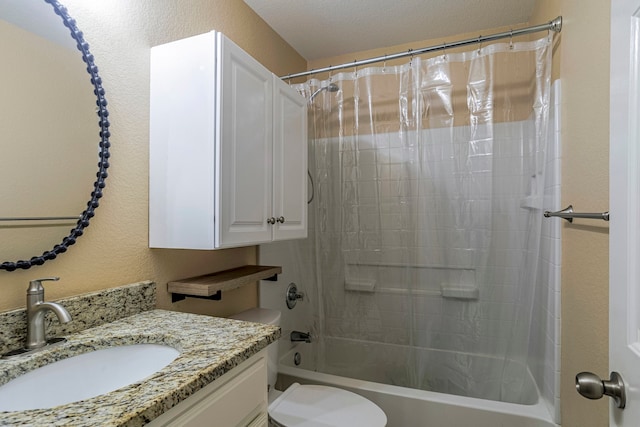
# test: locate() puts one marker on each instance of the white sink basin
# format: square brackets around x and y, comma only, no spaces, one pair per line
[84,376]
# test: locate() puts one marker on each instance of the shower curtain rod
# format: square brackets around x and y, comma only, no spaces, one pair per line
[555,26]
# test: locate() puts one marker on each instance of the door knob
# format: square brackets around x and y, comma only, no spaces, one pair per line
[280,219]
[271,220]
[592,387]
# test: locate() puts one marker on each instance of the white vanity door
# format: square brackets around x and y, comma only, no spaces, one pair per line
[237,399]
[289,162]
[244,163]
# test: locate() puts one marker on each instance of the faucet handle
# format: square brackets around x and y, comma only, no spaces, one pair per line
[293,295]
[35,286]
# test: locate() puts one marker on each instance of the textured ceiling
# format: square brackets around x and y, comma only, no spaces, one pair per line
[323,28]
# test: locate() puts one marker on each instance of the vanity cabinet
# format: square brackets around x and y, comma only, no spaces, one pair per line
[228,149]
[236,399]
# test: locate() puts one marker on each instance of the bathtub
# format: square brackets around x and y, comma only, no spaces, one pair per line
[405,407]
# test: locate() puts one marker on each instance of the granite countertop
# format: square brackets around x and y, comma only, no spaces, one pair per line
[209,347]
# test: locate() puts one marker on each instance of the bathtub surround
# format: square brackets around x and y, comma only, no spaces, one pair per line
[543,359]
[87,311]
[386,364]
[544,336]
[428,211]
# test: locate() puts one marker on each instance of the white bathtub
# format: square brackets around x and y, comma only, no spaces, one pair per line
[407,407]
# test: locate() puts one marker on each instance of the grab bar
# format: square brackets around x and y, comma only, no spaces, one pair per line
[568,214]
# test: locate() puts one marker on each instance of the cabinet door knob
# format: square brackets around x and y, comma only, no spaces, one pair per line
[271,220]
[280,220]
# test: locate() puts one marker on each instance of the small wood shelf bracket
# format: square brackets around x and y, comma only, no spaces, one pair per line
[210,286]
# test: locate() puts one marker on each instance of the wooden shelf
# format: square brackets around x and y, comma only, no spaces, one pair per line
[210,286]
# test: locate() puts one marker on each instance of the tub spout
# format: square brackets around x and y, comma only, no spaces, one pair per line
[297,336]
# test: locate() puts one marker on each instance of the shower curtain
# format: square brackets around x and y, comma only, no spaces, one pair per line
[428,184]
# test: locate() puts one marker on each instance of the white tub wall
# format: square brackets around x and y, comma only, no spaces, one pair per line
[438,371]
[544,357]
[411,407]
[436,322]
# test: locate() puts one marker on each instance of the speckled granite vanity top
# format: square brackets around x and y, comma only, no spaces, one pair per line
[209,347]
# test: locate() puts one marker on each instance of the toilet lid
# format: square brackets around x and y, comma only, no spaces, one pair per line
[321,406]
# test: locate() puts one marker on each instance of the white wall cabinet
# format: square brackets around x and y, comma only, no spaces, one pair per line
[228,149]
[236,399]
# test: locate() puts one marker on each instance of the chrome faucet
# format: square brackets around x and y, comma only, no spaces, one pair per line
[300,336]
[36,308]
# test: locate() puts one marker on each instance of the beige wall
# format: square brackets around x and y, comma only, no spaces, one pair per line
[584,70]
[581,60]
[114,249]
[344,59]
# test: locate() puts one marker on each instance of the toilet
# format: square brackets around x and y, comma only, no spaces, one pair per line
[311,405]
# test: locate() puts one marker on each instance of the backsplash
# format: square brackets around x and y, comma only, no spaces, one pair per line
[87,311]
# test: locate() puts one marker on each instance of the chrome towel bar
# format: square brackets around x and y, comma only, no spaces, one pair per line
[568,214]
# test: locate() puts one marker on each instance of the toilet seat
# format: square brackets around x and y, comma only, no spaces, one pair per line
[321,406]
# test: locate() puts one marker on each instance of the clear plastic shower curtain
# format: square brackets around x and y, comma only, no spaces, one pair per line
[427,213]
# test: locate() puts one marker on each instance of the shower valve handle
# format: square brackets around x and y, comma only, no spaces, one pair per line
[293,296]
[591,386]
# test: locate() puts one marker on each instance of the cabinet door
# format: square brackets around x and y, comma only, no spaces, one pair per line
[245,132]
[237,399]
[289,162]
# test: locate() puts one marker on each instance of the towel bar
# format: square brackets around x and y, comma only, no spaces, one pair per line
[568,214]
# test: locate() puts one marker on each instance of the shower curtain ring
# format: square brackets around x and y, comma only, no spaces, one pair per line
[444,49]
[479,43]
[511,39]
[384,64]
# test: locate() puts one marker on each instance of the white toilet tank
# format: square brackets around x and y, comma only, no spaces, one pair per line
[269,317]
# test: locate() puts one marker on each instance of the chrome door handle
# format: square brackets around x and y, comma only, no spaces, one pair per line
[271,220]
[592,387]
[280,219]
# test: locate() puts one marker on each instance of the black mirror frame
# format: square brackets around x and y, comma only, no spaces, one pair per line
[103,155]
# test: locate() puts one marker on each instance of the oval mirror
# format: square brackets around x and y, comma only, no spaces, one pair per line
[49,144]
